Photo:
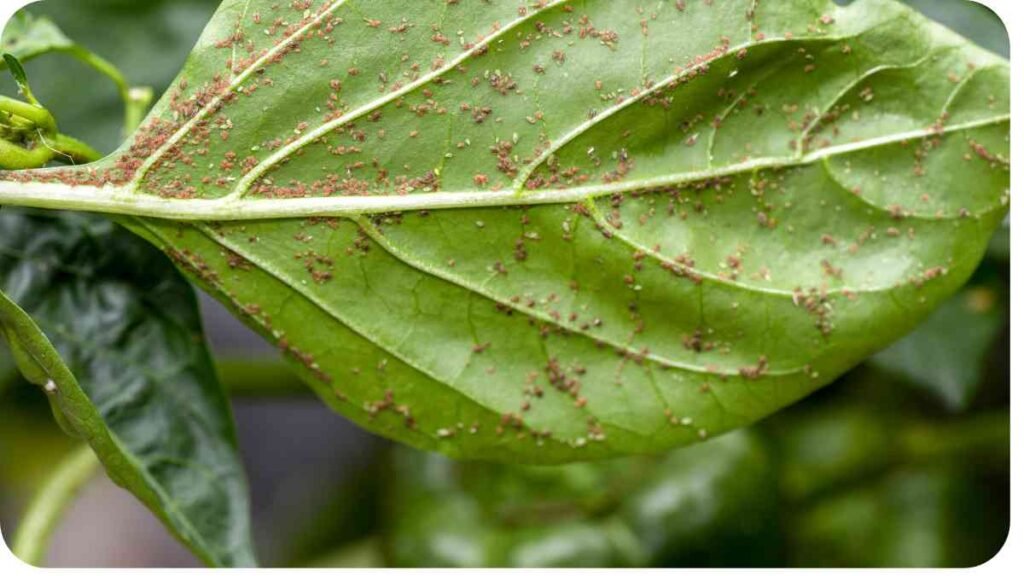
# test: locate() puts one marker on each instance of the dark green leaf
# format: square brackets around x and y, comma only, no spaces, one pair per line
[146,396]
[18,72]
[720,221]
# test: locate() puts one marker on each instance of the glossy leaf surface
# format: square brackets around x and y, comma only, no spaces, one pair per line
[138,383]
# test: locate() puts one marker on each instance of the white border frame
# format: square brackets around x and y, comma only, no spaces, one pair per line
[1010,558]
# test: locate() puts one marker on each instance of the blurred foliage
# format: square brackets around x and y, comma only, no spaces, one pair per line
[835,481]
[908,518]
[700,506]
[967,17]
[904,462]
[147,40]
[29,442]
[7,370]
[947,355]
[27,36]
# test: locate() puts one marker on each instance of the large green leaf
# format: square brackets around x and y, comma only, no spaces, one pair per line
[565,230]
[138,384]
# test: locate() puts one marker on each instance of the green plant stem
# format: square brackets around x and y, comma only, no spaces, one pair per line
[14,157]
[59,147]
[32,539]
[24,118]
[74,150]
[136,104]
[982,437]
[36,115]
[136,100]
[366,553]
[249,378]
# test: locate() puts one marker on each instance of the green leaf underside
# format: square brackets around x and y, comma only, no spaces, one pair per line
[731,204]
[144,393]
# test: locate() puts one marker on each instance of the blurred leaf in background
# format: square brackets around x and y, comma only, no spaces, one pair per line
[7,371]
[876,473]
[26,36]
[147,40]
[910,518]
[701,506]
[867,474]
[947,355]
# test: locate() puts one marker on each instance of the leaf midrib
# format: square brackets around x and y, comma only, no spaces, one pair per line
[518,185]
[113,199]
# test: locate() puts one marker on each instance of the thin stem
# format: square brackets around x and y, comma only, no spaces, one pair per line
[32,540]
[72,150]
[135,102]
[21,118]
[36,115]
[59,147]
[255,378]
[14,157]
[367,553]
[981,437]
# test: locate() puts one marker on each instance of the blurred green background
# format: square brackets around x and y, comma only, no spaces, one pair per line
[903,462]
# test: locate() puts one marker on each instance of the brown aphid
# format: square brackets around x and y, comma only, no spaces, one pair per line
[754,372]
